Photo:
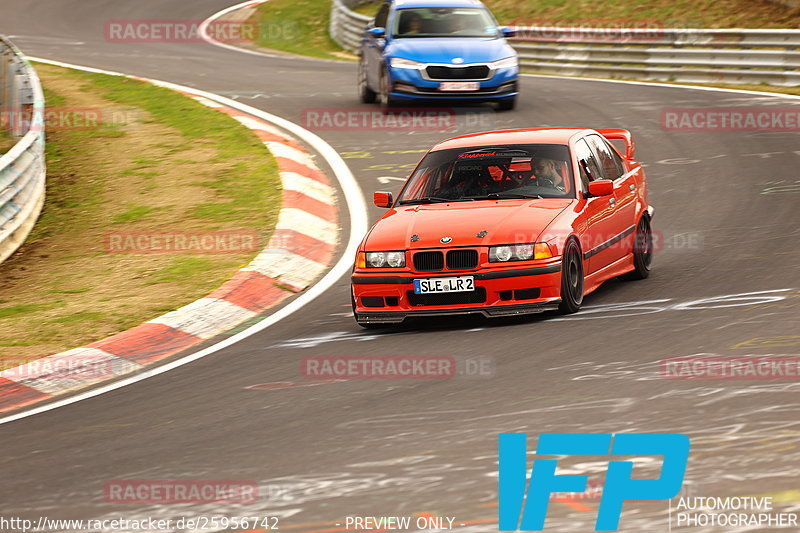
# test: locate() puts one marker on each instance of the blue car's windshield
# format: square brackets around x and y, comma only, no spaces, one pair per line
[444,22]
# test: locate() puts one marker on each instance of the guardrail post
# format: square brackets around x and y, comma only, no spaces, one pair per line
[6,56]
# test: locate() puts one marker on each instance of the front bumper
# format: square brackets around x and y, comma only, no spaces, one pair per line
[411,84]
[387,298]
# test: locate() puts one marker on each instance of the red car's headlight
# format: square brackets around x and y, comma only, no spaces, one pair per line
[395,259]
[519,252]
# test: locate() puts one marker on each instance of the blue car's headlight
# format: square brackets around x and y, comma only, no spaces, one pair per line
[509,62]
[399,62]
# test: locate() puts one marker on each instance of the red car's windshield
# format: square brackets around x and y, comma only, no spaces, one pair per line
[491,173]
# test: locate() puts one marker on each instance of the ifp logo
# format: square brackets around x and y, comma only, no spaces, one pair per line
[619,485]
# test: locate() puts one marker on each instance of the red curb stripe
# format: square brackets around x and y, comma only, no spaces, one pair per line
[266,136]
[147,343]
[301,244]
[252,290]
[14,395]
[298,200]
[290,165]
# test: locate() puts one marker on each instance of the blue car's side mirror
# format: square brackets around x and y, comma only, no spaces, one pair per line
[377,33]
[508,32]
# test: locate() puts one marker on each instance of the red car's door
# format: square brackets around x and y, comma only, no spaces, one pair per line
[624,192]
[601,225]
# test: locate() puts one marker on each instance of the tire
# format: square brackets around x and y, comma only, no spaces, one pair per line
[571,279]
[365,94]
[642,251]
[386,99]
[507,104]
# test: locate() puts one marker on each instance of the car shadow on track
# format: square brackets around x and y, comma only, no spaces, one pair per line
[478,321]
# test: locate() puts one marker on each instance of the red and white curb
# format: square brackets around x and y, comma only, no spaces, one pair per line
[299,251]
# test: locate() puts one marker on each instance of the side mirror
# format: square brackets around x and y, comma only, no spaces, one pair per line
[601,188]
[377,33]
[508,32]
[382,199]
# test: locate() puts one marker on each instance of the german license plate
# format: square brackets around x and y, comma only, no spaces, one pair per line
[459,86]
[438,285]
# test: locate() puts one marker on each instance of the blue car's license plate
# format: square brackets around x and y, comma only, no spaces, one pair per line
[437,285]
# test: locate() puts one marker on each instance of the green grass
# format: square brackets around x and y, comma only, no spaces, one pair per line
[6,142]
[133,214]
[369,9]
[182,270]
[298,27]
[14,310]
[77,290]
[80,317]
[241,187]
[171,165]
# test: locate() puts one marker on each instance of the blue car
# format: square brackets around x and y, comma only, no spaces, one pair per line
[437,50]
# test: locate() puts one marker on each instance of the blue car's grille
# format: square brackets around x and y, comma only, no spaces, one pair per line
[474,72]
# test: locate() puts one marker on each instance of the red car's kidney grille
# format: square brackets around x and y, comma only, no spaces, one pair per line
[428,261]
[462,259]
[448,298]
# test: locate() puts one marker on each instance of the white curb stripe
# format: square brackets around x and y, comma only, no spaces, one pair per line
[206,102]
[292,181]
[286,151]
[73,369]
[260,125]
[287,268]
[308,224]
[205,317]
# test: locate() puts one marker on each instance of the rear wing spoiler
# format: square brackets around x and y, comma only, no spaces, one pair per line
[623,135]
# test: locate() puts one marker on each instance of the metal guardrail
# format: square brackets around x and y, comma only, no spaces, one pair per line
[346,26]
[656,54]
[22,168]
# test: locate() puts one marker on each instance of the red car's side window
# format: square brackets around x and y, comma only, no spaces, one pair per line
[608,158]
[587,159]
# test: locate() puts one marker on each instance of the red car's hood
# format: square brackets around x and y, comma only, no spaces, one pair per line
[504,221]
